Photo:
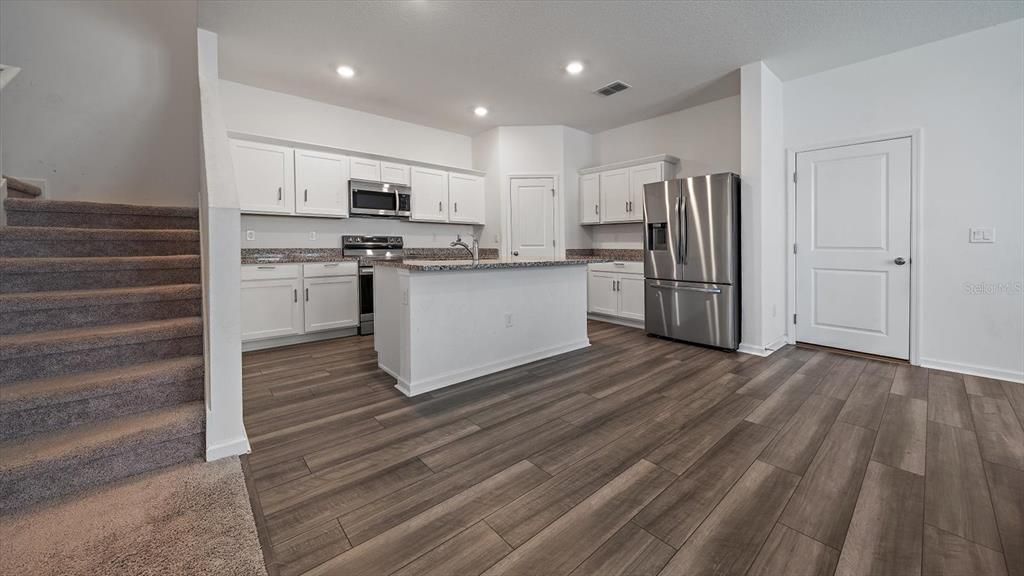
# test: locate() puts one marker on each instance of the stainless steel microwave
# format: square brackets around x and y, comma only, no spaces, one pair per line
[378,199]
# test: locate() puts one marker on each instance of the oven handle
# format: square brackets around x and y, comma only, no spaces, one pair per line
[365,271]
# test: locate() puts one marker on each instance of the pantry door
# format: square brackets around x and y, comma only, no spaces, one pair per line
[532,218]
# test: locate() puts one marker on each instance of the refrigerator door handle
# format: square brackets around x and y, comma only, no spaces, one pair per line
[687,288]
[683,229]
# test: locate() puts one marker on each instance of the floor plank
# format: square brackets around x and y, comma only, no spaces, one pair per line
[727,542]
[947,399]
[799,440]
[999,433]
[865,404]
[1007,488]
[468,554]
[788,552]
[911,381]
[683,449]
[841,379]
[947,554]
[1015,394]
[781,404]
[632,551]
[310,549]
[902,434]
[568,541]
[957,498]
[885,535]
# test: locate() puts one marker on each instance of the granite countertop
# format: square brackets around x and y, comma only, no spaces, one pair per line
[487,264]
[293,255]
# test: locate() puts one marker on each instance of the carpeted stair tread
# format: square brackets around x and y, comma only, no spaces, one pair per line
[64,341]
[22,301]
[32,394]
[95,264]
[89,234]
[82,444]
[37,205]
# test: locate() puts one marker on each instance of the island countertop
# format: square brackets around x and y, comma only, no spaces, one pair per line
[489,264]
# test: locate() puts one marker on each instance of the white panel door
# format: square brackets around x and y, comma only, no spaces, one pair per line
[638,176]
[321,183]
[331,302]
[601,295]
[590,199]
[271,308]
[533,218]
[393,173]
[853,247]
[365,169]
[429,191]
[631,296]
[615,196]
[264,177]
[465,198]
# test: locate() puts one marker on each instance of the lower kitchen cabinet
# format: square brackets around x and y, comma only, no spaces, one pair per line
[331,302]
[286,300]
[616,290]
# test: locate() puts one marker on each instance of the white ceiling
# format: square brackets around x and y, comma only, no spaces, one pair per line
[431,62]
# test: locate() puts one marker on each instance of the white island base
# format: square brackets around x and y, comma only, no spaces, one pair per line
[441,323]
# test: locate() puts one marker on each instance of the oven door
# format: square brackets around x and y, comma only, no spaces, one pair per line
[372,199]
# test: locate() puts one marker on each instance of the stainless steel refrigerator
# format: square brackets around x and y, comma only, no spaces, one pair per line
[692,259]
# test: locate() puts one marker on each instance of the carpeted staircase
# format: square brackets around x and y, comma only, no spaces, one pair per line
[101,345]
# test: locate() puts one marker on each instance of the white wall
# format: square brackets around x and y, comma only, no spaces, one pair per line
[578,153]
[106,107]
[966,95]
[294,231]
[706,138]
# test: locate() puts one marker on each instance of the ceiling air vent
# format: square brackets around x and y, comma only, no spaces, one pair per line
[613,88]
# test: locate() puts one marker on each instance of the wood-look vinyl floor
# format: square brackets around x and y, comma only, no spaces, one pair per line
[637,456]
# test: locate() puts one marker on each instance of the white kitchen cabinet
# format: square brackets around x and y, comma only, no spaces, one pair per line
[615,196]
[465,198]
[601,296]
[394,173]
[638,176]
[590,199]
[616,290]
[429,195]
[631,296]
[365,169]
[264,177]
[321,184]
[331,302]
[270,301]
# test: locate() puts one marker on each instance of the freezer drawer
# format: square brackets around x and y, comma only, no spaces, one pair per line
[699,313]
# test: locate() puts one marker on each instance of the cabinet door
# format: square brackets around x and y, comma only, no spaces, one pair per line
[429,195]
[331,302]
[590,199]
[638,176]
[601,295]
[264,176]
[614,186]
[321,183]
[631,296]
[393,173]
[271,308]
[465,198]
[365,169]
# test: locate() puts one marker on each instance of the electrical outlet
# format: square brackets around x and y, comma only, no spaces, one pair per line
[405,297]
[250,235]
[508,320]
[312,235]
[982,235]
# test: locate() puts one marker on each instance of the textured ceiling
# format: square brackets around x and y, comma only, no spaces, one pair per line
[431,62]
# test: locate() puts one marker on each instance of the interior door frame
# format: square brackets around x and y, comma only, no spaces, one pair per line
[915,228]
[506,212]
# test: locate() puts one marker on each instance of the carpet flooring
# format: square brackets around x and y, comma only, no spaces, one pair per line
[189,519]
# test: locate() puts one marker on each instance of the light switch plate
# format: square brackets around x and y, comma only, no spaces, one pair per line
[982,235]
[250,235]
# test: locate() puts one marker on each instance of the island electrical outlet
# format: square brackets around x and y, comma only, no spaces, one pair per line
[508,320]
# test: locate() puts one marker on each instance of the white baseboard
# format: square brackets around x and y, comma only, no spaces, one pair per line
[616,320]
[762,350]
[455,377]
[298,339]
[973,370]
[235,447]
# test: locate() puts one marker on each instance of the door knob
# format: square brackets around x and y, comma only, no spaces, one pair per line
[900,261]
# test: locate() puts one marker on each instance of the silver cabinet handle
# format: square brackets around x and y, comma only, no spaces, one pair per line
[305,195]
[331,265]
[438,205]
[627,205]
[266,267]
[456,207]
[307,294]
[595,209]
[295,294]
[279,194]
[900,261]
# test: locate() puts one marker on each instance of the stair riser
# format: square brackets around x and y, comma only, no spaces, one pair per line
[50,365]
[94,220]
[61,479]
[84,280]
[74,413]
[22,322]
[65,248]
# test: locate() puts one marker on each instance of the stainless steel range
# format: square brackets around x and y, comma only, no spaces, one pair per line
[370,249]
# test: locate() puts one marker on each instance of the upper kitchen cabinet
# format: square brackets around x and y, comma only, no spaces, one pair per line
[394,173]
[365,169]
[614,193]
[465,198]
[429,195]
[264,176]
[590,199]
[321,184]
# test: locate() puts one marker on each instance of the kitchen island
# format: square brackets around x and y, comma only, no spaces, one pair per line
[441,322]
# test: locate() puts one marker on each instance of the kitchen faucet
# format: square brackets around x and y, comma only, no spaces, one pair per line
[474,252]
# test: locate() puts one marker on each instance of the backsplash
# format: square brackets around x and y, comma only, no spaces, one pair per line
[447,253]
[620,254]
[294,255]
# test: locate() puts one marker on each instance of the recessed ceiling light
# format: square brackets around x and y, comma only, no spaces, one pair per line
[480,111]
[574,67]
[346,71]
